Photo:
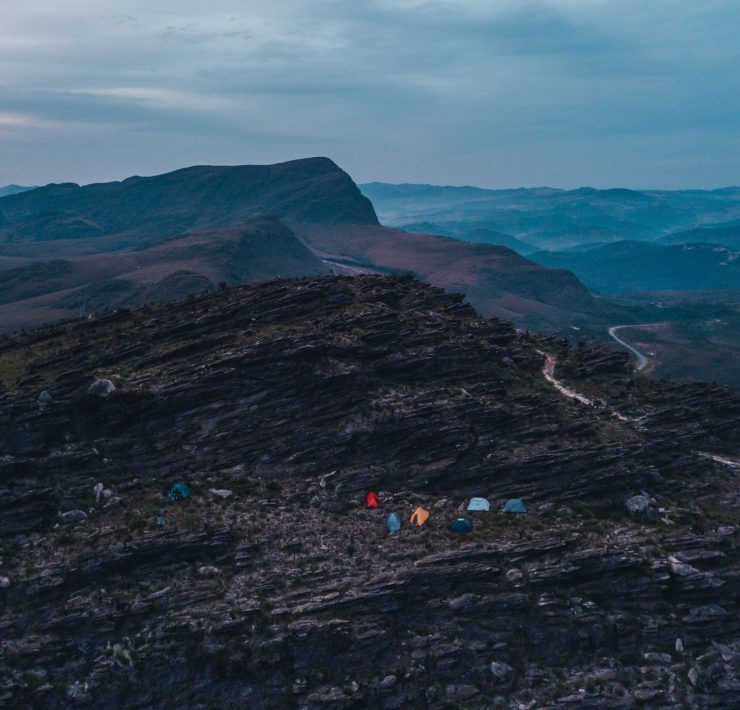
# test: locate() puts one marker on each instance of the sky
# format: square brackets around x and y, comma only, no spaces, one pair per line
[495,93]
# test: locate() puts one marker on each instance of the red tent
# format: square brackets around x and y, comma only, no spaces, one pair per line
[372,500]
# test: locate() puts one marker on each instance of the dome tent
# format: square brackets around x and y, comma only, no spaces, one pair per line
[372,500]
[514,506]
[477,504]
[179,491]
[461,525]
[394,522]
[419,516]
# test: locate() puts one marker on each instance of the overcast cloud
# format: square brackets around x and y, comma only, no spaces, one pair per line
[498,93]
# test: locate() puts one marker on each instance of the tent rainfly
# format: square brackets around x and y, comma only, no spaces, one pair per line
[178,492]
[419,516]
[372,500]
[514,506]
[478,504]
[461,525]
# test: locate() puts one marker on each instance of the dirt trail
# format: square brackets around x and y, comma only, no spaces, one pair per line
[548,371]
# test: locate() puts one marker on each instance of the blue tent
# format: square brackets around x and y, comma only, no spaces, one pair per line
[394,522]
[178,492]
[479,504]
[514,506]
[461,525]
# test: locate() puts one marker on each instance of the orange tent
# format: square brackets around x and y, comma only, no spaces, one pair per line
[419,516]
[372,500]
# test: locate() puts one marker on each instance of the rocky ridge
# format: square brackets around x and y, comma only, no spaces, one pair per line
[280,404]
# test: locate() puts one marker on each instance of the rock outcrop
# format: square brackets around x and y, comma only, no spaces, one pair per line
[272,585]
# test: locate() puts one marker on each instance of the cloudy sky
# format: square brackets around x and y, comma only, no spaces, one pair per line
[498,93]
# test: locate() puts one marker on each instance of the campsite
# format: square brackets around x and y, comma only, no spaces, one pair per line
[273,579]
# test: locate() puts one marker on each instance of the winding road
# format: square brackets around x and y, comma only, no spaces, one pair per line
[641,359]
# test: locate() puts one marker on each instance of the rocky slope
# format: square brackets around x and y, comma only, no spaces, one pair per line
[280,404]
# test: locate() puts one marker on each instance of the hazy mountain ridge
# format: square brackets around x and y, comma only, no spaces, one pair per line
[555,219]
[640,266]
[87,226]
[14,189]
[727,235]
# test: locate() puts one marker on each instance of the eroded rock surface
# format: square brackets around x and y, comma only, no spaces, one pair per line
[295,398]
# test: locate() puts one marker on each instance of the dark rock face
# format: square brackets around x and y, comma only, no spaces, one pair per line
[296,397]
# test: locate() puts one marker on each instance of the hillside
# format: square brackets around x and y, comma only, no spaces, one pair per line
[66,249]
[280,405]
[725,235]
[551,219]
[495,280]
[642,266]
[472,233]
[139,210]
[13,190]
[38,292]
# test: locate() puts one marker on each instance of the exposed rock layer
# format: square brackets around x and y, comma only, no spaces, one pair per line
[295,397]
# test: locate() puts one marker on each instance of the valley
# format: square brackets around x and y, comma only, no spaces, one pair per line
[145,239]
[660,255]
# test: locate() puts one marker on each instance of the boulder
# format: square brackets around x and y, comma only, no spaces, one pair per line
[637,505]
[208,571]
[72,516]
[101,388]
[500,670]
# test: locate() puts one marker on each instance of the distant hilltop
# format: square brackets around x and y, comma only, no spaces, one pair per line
[14,189]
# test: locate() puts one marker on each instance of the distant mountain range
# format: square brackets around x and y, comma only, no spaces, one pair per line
[67,249]
[551,219]
[642,266]
[724,235]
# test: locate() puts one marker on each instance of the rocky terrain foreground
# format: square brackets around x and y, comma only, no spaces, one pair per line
[280,405]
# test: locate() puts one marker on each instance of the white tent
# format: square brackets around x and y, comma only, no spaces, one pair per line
[479,504]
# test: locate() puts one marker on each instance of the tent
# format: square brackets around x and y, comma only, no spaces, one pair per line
[461,525]
[394,522]
[419,516]
[178,492]
[514,506]
[479,504]
[372,500]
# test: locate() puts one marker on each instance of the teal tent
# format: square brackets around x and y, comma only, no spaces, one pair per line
[514,506]
[461,525]
[394,522]
[478,504]
[178,492]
